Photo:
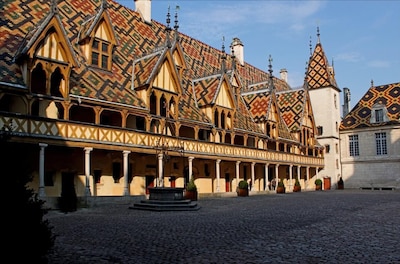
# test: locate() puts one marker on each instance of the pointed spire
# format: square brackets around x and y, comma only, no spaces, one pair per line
[271,81]
[168,28]
[223,58]
[176,26]
[318,35]
[270,66]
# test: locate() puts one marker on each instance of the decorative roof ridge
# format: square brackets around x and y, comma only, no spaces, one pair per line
[154,53]
[205,77]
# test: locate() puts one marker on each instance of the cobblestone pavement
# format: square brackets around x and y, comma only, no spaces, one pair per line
[336,226]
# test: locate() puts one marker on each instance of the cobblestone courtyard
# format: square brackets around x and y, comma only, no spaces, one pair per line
[337,226]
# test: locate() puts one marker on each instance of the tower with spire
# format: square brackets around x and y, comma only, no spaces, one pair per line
[325,100]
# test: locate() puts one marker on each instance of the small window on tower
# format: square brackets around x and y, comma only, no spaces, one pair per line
[327,148]
[320,130]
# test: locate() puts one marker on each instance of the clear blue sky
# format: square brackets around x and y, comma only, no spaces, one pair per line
[362,38]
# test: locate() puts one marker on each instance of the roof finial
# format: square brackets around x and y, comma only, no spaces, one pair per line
[168,28]
[104,4]
[372,83]
[305,77]
[223,54]
[54,8]
[270,65]
[176,27]
[310,47]
[318,35]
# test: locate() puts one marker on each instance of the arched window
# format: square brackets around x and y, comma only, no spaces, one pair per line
[56,79]
[38,80]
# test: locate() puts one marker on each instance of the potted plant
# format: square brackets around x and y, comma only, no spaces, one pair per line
[297,186]
[318,184]
[243,188]
[191,190]
[281,187]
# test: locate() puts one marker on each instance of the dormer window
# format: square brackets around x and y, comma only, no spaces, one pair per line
[101,51]
[378,114]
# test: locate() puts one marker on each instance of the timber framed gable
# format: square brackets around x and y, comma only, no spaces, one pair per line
[97,40]
[46,58]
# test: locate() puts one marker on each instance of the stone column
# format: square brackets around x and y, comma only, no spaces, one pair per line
[237,172]
[160,181]
[298,173]
[41,192]
[125,154]
[87,170]
[307,175]
[291,177]
[276,176]
[252,176]
[217,171]
[190,160]
[266,176]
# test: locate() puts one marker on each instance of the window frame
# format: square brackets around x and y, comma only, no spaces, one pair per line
[381,143]
[354,147]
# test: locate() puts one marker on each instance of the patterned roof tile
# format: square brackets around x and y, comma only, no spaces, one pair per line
[387,95]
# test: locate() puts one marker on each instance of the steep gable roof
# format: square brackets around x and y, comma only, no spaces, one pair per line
[263,102]
[91,23]
[319,73]
[387,95]
[28,47]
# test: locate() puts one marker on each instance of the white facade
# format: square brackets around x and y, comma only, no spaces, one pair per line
[326,109]
[369,170]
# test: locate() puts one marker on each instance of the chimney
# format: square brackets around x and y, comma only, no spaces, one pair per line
[143,7]
[346,99]
[237,49]
[284,75]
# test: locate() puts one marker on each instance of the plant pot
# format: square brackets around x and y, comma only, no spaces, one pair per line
[191,195]
[280,189]
[296,188]
[318,187]
[243,192]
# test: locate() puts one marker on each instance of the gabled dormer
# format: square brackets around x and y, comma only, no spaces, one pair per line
[97,39]
[156,80]
[379,114]
[215,97]
[46,57]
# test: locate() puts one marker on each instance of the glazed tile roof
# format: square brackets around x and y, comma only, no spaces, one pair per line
[319,73]
[387,95]
[260,101]
[291,105]
[135,40]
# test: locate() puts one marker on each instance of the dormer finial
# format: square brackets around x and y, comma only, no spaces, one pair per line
[223,58]
[168,28]
[168,18]
[318,35]
[176,27]
[54,8]
[270,65]
[310,47]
